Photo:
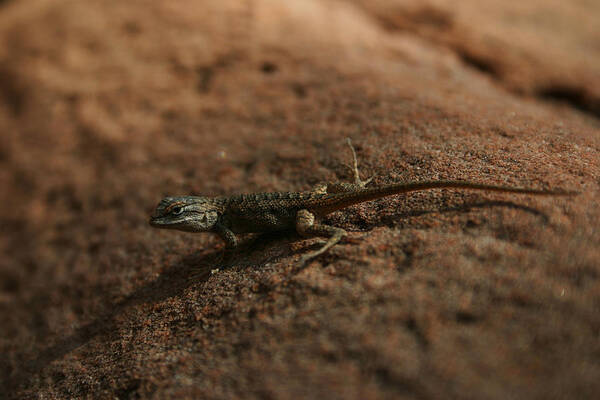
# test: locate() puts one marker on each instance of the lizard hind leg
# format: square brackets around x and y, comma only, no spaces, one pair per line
[358,183]
[341,187]
[306,227]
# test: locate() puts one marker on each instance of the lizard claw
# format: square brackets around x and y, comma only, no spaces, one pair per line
[367,181]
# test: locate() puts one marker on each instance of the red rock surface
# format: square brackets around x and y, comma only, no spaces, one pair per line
[105,106]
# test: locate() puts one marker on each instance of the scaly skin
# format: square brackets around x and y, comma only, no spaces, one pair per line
[277,211]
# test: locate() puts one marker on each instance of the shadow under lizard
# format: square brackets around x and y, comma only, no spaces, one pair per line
[279,211]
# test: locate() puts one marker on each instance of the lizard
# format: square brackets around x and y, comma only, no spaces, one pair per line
[278,211]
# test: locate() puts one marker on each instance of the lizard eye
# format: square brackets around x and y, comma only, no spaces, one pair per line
[177,210]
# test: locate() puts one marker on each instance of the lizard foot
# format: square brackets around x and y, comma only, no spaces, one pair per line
[354,168]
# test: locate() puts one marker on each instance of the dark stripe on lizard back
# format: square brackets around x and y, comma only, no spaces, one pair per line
[274,200]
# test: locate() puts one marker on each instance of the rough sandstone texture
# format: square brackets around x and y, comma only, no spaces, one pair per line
[105,106]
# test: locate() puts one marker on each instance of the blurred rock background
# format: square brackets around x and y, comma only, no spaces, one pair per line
[105,106]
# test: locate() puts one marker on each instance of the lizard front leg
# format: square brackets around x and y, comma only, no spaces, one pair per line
[231,243]
[306,227]
[227,235]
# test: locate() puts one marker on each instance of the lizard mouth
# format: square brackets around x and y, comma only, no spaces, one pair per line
[156,222]
[162,223]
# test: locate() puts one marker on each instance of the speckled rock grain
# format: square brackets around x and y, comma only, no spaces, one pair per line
[105,106]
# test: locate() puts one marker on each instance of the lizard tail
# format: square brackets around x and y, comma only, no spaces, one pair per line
[341,200]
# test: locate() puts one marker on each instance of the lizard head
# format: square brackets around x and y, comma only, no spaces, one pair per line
[185,213]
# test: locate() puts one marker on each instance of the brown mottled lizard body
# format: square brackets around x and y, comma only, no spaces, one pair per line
[277,211]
